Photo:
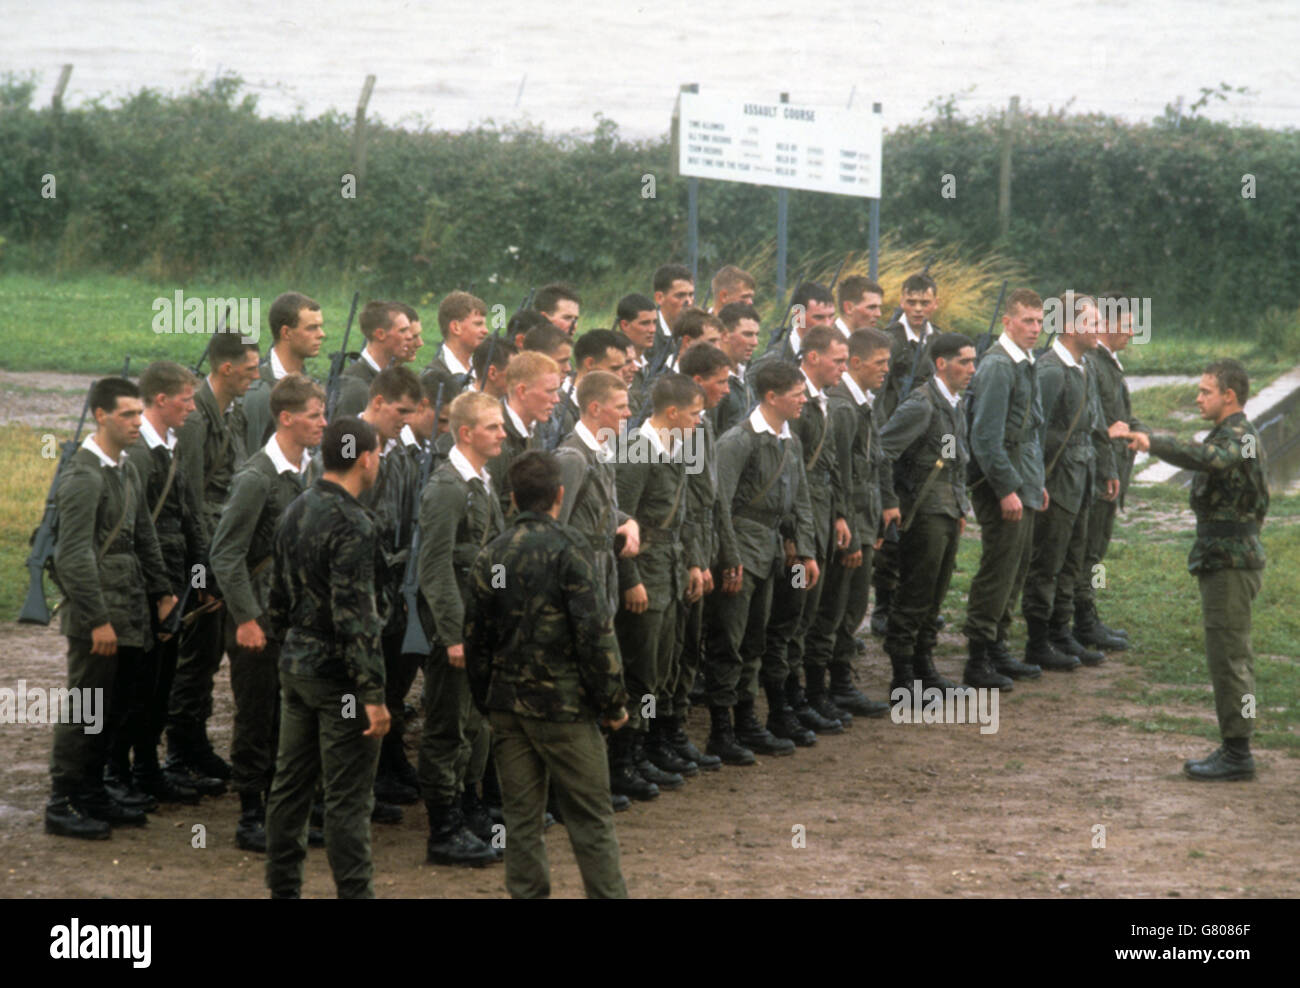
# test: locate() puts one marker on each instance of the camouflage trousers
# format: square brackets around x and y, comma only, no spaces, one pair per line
[1227,596]
[532,754]
[317,741]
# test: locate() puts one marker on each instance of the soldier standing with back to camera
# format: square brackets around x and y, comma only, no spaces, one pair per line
[543,665]
[1230,499]
[332,714]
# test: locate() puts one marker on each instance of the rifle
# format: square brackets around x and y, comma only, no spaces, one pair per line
[779,335]
[35,609]
[415,641]
[836,276]
[337,362]
[986,341]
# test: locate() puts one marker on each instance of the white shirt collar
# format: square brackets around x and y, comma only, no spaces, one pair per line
[740,372]
[407,435]
[907,329]
[453,363]
[1060,350]
[860,397]
[277,368]
[663,324]
[656,440]
[282,464]
[388,448]
[760,424]
[365,355]
[466,470]
[952,399]
[796,342]
[813,393]
[151,437]
[1113,355]
[1016,354]
[90,444]
[602,450]
[844,329]
[522,429]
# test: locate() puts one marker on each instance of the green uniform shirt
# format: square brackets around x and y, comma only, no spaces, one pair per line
[762,477]
[591,507]
[1073,455]
[858,452]
[258,425]
[101,581]
[516,442]
[1005,418]
[1229,493]
[926,430]
[710,537]
[1116,406]
[735,405]
[211,446]
[652,484]
[245,538]
[540,643]
[354,388]
[910,366]
[180,537]
[458,517]
[826,490]
[322,600]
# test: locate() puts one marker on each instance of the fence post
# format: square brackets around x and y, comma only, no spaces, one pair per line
[359,131]
[1004,171]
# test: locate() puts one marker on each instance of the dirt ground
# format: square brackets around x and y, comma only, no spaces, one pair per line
[885,810]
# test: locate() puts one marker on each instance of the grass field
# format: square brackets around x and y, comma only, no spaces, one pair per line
[88,323]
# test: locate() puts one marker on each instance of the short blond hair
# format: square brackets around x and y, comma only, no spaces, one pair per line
[468,409]
[528,366]
[598,386]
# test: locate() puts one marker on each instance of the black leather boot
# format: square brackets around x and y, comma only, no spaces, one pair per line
[1088,630]
[754,736]
[475,815]
[450,841]
[1061,640]
[659,750]
[666,781]
[979,671]
[65,818]
[819,701]
[1232,760]
[904,676]
[800,704]
[848,697]
[250,834]
[675,731]
[923,667]
[722,739]
[782,722]
[624,779]
[100,805]
[121,787]
[1040,651]
[1000,657]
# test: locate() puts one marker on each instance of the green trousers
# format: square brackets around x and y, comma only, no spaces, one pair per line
[692,655]
[1101,523]
[317,739]
[650,644]
[829,639]
[255,683]
[736,629]
[1226,599]
[190,705]
[455,740]
[927,552]
[1060,540]
[80,750]
[858,601]
[1004,561]
[532,754]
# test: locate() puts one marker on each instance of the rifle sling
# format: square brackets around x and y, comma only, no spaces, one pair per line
[167,487]
[785,454]
[1070,431]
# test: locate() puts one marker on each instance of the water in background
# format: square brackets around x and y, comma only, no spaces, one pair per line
[559,62]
